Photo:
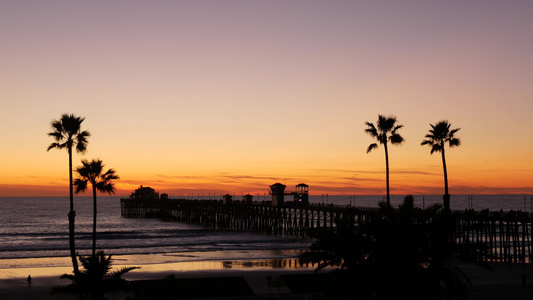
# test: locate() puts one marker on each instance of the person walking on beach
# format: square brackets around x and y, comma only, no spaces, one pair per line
[29,280]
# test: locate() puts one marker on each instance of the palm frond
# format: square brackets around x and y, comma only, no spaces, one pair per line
[118,274]
[454,131]
[71,123]
[66,133]
[110,175]
[439,134]
[57,125]
[55,145]
[96,278]
[81,141]
[396,139]
[80,185]
[385,126]
[371,129]
[427,142]
[91,171]
[436,148]
[57,135]
[396,128]
[455,142]
[371,147]
[105,187]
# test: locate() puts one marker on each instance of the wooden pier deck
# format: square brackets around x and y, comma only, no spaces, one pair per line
[508,235]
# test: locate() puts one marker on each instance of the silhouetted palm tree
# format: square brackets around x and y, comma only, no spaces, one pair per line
[92,172]
[67,134]
[438,136]
[347,250]
[342,248]
[403,252]
[385,132]
[96,278]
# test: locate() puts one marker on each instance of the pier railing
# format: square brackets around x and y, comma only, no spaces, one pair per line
[507,235]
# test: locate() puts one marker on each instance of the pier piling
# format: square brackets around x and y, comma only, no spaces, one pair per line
[507,235]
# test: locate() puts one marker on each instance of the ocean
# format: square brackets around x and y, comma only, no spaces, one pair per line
[34,231]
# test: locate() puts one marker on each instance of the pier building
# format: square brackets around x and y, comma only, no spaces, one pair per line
[278,194]
[145,193]
[301,195]
[508,236]
[227,199]
[248,199]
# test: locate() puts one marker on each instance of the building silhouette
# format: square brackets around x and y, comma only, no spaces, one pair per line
[301,195]
[145,193]
[278,194]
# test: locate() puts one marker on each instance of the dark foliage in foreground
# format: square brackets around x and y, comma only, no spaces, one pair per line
[171,288]
[96,278]
[398,253]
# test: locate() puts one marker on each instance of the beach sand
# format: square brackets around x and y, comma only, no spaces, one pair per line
[503,282]
[18,288]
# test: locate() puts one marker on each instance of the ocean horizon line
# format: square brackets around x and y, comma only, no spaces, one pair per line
[203,196]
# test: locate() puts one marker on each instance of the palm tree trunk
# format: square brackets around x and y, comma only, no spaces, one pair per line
[94,219]
[72,217]
[387,171]
[446,197]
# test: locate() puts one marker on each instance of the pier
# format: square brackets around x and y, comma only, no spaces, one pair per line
[508,235]
[288,220]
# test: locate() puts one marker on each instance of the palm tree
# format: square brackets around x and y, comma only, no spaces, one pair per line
[96,278]
[102,182]
[438,136]
[403,252]
[386,131]
[347,250]
[343,248]
[67,134]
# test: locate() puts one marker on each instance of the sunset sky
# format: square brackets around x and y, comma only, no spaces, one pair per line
[233,96]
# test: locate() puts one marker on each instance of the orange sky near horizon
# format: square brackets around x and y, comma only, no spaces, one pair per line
[233,96]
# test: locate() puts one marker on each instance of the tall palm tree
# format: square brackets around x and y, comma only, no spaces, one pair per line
[438,136]
[67,134]
[386,132]
[92,172]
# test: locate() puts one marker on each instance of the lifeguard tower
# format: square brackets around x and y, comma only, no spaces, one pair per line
[227,199]
[301,196]
[247,199]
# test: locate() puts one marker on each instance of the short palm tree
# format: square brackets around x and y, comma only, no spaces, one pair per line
[341,248]
[438,136]
[96,278]
[92,172]
[403,253]
[67,134]
[385,132]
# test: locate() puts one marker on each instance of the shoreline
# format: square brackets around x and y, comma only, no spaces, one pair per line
[147,267]
[154,262]
[502,282]
[257,280]
[254,272]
